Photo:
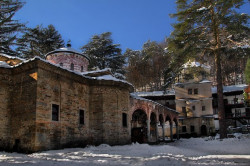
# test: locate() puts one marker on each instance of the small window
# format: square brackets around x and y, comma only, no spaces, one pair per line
[124,120]
[81,68]
[193,107]
[72,66]
[184,110]
[235,100]
[192,128]
[184,129]
[190,91]
[61,64]
[203,108]
[55,112]
[196,91]
[81,116]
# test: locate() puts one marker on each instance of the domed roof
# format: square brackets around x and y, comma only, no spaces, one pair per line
[67,49]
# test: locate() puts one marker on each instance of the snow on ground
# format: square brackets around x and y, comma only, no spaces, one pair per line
[194,151]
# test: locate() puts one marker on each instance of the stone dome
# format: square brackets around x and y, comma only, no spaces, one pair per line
[69,58]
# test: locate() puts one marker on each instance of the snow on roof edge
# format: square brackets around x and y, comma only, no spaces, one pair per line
[77,73]
[143,99]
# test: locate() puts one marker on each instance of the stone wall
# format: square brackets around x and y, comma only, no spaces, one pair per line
[23,108]
[5,80]
[107,104]
[72,95]
[28,92]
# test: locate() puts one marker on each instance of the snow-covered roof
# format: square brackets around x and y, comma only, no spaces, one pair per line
[67,49]
[155,93]
[143,99]
[96,71]
[4,64]
[231,88]
[195,64]
[105,77]
[12,57]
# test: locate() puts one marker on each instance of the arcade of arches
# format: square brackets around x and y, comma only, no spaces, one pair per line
[150,121]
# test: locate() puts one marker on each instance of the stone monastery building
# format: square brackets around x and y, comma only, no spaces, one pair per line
[57,103]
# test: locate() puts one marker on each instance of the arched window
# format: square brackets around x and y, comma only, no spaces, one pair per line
[72,66]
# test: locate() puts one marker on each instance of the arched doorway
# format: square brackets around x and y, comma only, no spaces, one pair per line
[139,127]
[203,130]
[153,125]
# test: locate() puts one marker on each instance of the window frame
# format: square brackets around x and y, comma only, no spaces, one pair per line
[52,112]
[193,107]
[203,108]
[124,120]
[82,117]
[192,127]
[190,91]
[196,91]
[72,66]
[183,127]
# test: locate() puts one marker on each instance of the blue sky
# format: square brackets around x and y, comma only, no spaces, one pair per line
[132,22]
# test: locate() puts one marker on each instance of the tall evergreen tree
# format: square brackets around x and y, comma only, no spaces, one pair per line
[210,28]
[39,41]
[104,54]
[247,71]
[9,27]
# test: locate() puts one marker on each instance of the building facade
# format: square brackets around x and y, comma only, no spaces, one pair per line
[194,103]
[48,105]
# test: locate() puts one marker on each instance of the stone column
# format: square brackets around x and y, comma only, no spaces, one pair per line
[171,131]
[148,132]
[177,131]
[156,130]
[163,131]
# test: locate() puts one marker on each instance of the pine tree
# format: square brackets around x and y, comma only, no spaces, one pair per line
[210,28]
[157,60]
[104,54]
[39,41]
[247,71]
[9,27]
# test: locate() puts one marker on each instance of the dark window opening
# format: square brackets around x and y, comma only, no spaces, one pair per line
[81,68]
[203,108]
[61,64]
[235,100]
[72,66]
[184,129]
[196,91]
[81,116]
[193,107]
[124,120]
[190,91]
[192,129]
[55,112]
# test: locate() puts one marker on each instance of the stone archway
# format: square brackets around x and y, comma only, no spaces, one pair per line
[203,130]
[139,126]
